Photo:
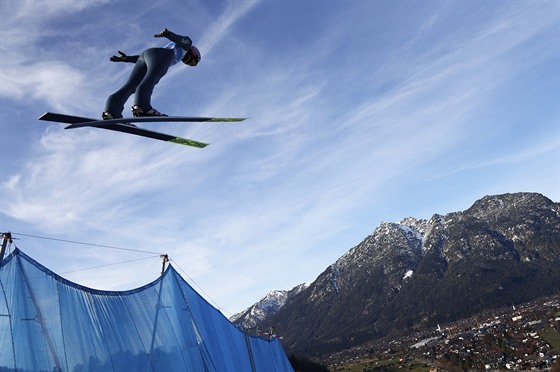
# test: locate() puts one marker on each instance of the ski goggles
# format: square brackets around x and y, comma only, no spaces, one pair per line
[192,57]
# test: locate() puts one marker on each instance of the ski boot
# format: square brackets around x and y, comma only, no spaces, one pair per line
[108,116]
[138,112]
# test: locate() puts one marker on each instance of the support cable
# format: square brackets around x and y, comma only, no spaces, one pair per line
[111,264]
[130,250]
[200,288]
[89,244]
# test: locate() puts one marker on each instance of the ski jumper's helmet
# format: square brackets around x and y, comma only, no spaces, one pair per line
[192,57]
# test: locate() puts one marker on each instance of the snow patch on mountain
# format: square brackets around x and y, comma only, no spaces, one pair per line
[335,279]
[408,274]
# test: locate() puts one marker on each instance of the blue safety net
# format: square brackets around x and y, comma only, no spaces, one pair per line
[48,323]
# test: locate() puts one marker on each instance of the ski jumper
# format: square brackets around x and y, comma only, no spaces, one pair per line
[149,67]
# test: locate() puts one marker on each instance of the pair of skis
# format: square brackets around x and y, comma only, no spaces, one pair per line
[125,125]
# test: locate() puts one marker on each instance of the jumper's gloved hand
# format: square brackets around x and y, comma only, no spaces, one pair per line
[122,58]
[163,33]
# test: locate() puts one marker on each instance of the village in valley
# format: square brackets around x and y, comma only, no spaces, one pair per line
[520,337]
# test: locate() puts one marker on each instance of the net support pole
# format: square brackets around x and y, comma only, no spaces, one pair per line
[39,318]
[164,260]
[6,238]
[250,350]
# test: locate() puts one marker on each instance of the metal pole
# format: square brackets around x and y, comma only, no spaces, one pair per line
[249,349]
[39,318]
[164,259]
[6,238]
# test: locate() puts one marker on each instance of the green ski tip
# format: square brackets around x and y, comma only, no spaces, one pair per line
[188,142]
[227,119]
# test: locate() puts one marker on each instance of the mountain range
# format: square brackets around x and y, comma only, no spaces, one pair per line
[416,274]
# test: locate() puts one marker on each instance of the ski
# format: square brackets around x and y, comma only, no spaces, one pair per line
[61,118]
[78,122]
[121,125]
[124,128]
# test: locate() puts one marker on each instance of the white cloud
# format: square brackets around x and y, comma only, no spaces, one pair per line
[84,178]
[221,27]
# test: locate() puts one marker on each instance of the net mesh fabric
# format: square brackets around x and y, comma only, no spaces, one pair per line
[48,323]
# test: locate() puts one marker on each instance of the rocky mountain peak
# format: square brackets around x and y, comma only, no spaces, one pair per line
[496,206]
[417,273]
[268,306]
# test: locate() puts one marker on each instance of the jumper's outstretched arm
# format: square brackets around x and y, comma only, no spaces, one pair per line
[184,42]
[122,57]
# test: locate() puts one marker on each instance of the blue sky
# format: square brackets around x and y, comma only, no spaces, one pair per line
[360,112]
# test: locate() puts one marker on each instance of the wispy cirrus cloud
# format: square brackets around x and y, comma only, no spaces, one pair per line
[221,27]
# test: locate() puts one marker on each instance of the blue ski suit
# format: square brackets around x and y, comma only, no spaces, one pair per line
[149,67]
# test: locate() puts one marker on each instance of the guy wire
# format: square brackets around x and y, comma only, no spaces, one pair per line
[89,244]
